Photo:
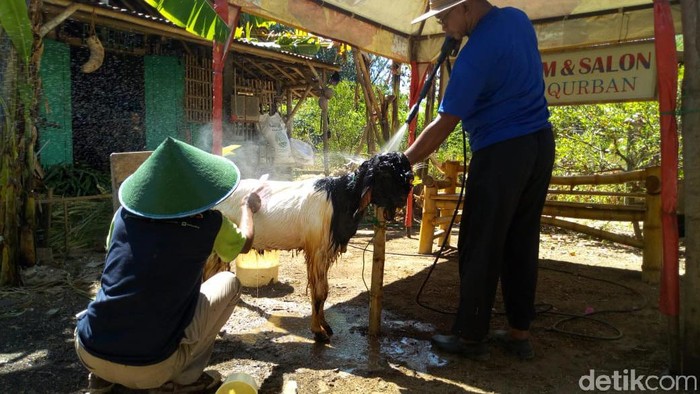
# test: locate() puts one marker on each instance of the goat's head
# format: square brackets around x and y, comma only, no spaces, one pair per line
[386,181]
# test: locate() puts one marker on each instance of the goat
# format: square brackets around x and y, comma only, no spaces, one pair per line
[319,216]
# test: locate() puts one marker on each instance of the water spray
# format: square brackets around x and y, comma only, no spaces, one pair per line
[449,46]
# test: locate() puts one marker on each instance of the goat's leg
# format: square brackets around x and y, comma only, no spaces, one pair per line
[317,273]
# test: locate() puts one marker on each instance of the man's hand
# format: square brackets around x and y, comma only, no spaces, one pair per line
[253,202]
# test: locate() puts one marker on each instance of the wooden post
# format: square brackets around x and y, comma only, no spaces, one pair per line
[396,85]
[66,229]
[427,228]
[376,292]
[324,122]
[690,285]
[121,165]
[451,169]
[653,241]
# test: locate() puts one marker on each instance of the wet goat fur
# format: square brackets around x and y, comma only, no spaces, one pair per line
[319,217]
[387,176]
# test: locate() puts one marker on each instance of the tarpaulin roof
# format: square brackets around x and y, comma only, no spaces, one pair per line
[384,27]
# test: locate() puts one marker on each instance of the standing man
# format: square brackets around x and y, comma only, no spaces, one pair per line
[497,91]
[153,322]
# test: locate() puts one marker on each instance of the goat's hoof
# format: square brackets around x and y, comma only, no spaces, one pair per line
[321,337]
[328,330]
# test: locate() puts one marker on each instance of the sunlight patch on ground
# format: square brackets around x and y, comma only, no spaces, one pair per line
[31,358]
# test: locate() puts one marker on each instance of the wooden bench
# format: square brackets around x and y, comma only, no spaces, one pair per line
[121,165]
[440,199]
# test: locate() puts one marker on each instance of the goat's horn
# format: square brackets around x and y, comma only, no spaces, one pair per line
[365,199]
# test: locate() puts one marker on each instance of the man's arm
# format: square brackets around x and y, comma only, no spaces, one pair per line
[249,205]
[432,136]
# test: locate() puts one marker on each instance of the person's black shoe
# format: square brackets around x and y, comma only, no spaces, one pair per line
[522,348]
[470,349]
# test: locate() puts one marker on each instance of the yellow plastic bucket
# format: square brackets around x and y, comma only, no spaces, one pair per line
[255,270]
[238,383]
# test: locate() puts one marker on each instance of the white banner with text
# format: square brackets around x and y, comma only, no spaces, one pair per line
[601,74]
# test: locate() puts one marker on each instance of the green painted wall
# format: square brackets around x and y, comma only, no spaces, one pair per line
[165,92]
[55,129]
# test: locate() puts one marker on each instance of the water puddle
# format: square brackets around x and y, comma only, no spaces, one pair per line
[350,348]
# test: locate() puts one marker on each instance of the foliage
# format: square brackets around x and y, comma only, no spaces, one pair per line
[196,16]
[606,137]
[257,29]
[347,122]
[14,19]
[86,227]
[70,180]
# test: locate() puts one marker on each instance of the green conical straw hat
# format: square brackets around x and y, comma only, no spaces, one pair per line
[178,180]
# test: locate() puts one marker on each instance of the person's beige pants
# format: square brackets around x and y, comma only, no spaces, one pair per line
[217,299]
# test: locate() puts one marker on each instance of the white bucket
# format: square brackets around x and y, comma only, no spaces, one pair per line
[255,270]
[238,383]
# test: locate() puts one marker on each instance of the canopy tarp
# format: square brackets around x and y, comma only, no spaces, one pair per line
[384,27]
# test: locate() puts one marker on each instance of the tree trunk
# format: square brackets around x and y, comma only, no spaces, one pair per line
[690,120]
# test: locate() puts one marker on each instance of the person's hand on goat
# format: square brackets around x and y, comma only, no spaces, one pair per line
[252,200]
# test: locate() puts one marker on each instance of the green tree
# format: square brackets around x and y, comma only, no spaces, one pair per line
[606,137]
[347,122]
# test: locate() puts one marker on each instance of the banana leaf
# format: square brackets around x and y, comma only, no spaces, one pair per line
[14,19]
[196,16]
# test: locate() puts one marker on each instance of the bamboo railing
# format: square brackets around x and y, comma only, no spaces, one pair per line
[564,201]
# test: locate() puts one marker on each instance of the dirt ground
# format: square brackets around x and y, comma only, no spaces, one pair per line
[268,335]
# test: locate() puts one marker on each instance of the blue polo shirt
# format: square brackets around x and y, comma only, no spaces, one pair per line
[496,87]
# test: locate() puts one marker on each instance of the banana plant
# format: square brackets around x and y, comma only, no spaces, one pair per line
[14,19]
[196,16]
[17,136]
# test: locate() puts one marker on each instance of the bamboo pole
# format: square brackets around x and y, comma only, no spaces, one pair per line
[592,213]
[631,176]
[51,199]
[377,291]
[599,233]
[653,235]
[595,193]
[396,84]
[425,236]
[290,116]
[370,129]
[429,181]
[66,229]
[324,123]
[50,25]
[452,169]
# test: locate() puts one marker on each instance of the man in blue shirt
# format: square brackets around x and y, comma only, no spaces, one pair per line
[496,90]
[153,322]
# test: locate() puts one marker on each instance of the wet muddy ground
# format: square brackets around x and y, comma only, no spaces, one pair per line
[268,335]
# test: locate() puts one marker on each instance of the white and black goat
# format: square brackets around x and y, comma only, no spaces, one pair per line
[319,216]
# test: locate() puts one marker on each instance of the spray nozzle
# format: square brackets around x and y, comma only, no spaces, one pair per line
[449,47]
